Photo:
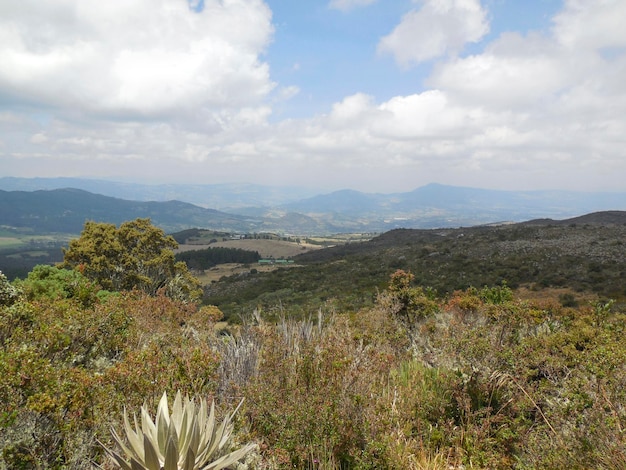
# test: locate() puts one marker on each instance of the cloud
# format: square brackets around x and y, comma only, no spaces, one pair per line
[538,110]
[136,59]
[591,24]
[288,92]
[350,108]
[346,5]
[513,72]
[439,27]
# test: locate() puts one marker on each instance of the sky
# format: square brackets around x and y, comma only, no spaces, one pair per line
[372,95]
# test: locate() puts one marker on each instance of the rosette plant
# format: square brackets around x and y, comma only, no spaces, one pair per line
[188,439]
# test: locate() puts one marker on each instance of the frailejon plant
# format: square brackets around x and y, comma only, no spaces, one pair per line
[188,439]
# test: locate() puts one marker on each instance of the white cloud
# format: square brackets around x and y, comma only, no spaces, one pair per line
[288,92]
[439,27]
[514,71]
[543,109]
[346,5]
[143,58]
[351,107]
[591,24]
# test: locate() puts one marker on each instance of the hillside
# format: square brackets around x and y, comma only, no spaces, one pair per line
[436,205]
[584,254]
[66,210]
[222,197]
[481,379]
[299,211]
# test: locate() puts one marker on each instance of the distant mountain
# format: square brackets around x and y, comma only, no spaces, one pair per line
[437,205]
[259,208]
[345,201]
[66,210]
[223,197]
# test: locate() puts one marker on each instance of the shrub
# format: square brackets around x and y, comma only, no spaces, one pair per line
[49,282]
[8,293]
[410,304]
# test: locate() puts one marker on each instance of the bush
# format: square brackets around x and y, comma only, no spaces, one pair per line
[48,282]
[8,293]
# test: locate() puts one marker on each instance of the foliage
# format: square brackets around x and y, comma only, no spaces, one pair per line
[136,255]
[584,258]
[310,400]
[55,283]
[496,295]
[477,378]
[409,303]
[189,439]
[8,292]
[66,367]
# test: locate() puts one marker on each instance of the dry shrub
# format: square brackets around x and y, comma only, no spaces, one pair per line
[312,397]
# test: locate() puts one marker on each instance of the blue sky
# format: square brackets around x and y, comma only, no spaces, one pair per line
[374,95]
[330,53]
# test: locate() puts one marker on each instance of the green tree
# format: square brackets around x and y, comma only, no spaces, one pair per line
[137,255]
[46,281]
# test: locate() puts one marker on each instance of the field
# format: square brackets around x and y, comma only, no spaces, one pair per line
[9,242]
[278,249]
[272,248]
[20,251]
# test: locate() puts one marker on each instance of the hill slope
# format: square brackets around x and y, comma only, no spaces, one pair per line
[217,196]
[584,254]
[66,210]
[296,210]
[437,205]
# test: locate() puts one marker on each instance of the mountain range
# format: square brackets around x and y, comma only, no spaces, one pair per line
[63,204]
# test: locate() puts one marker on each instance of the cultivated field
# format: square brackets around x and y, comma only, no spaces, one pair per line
[266,248]
[278,249]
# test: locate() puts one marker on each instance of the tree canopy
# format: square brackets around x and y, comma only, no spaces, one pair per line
[137,255]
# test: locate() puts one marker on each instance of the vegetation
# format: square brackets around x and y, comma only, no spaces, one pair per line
[189,439]
[136,255]
[196,236]
[209,257]
[584,258]
[55,283]
[21,250]
[9,294]
[416,377]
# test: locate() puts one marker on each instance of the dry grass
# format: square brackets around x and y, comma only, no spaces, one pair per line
[545,294]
